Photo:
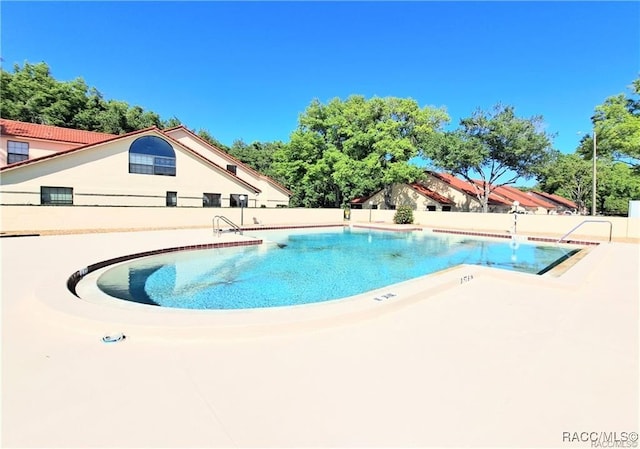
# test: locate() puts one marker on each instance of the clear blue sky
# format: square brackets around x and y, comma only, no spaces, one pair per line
[246,70]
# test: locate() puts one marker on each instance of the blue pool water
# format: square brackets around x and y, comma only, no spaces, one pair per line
[302,267]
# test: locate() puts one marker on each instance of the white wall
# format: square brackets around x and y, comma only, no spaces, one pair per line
[403,195]
[270,194]
[527,224]
[100,176]
[77,218]
[37,148]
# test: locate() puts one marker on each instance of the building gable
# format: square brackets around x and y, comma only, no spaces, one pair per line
[26,130]
[224,159]
[113,173]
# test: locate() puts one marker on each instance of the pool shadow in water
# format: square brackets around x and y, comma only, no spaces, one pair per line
[135,289]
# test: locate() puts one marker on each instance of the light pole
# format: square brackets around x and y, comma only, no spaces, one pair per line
[242,198]
[593,193]
[370,207]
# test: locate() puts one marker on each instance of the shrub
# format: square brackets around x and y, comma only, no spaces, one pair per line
[404,215]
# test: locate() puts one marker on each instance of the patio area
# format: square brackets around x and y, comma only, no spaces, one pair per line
[503,360]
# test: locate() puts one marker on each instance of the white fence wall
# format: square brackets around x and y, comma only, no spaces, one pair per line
[78,218]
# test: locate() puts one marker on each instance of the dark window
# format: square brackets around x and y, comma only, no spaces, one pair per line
[234,200]
[172,199]
[232,168]
[431,208]
[17,152]
[446,208]
[56,195]
[151,155]
[211,200]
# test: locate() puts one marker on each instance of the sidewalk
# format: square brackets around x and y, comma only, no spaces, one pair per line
[505,360]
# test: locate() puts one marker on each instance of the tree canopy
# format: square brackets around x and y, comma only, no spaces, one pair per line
[617,126]
[31,94]
[570,176]
[497,148]
[258,155]
[346,149]
[351,148]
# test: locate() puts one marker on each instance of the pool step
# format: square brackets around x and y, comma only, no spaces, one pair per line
[225,230]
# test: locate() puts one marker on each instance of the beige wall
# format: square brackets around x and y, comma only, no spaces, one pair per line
[462,201]
[108,181]
[70,218]
[74,218]
[100,176]
[37,148]
[270,195]
[403,195]
[527,224]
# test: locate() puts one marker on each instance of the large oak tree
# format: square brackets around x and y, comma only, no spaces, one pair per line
[492,149]
[350,148]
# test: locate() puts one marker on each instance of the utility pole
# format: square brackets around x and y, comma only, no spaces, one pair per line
[593,193]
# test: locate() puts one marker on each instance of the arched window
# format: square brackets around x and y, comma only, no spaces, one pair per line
[151,155]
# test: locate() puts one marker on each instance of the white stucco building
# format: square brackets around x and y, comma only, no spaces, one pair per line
[48,165]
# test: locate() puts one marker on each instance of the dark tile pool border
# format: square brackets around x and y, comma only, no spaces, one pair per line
[479,234]
[508,236]
[571,242]
[382,228]
[73,280]
[275,228]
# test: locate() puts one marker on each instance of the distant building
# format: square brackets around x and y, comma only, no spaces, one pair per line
[415,195]
[525,203]
[463,193]
[48,165]
[445,192]
[20,141]
[561,205]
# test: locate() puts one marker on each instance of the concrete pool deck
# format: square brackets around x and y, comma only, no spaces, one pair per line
[471,357]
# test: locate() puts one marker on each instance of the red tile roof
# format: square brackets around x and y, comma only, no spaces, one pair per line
[48,132]
[557,199]
[359,200]
[537,201]
[431,194]
[113,137]
[514,194]
[70,150]
[468,188]
[88,138]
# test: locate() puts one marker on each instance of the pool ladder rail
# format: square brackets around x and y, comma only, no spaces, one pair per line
[217,230]
[587,221]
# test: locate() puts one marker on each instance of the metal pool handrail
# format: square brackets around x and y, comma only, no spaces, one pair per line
[234,226]
[588,221]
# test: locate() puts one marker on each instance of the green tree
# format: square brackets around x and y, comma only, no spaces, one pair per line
[569,176]
[496,148]
[171,123]
[617,184]
[350,148]
[31,94]
[206,135]
[617,126]
[257,155]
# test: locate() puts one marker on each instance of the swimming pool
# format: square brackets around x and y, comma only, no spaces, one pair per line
[308,266]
